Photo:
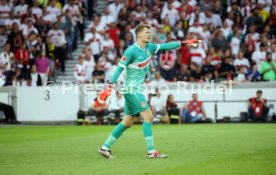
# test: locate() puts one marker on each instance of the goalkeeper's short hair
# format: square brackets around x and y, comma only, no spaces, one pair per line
[140,27]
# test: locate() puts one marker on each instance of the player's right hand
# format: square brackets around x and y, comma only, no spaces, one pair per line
[104,94]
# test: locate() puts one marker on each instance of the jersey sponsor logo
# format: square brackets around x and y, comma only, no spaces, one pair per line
[124,58]
[144,64]
[143,104]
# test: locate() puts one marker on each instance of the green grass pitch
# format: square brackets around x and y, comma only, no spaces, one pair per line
[220,149]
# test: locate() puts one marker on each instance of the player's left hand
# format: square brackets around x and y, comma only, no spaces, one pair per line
[103,95]
[191,42]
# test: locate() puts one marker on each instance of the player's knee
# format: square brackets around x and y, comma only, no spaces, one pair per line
[148,118]
[127,124]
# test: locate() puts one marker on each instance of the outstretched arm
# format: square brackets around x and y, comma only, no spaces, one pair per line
[177,44]
[169,45]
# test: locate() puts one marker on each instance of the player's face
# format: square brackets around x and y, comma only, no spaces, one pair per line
[195,97]
[146,35]
[259,95]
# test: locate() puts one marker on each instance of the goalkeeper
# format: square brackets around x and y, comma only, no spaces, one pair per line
[135,60]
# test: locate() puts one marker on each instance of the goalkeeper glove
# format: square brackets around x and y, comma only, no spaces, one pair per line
[104,94]
[191,42]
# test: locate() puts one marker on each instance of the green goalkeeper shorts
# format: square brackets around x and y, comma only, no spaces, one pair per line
[135,103]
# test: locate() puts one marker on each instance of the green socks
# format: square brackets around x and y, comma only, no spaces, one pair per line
[115,134]
[120,128]
[147,129]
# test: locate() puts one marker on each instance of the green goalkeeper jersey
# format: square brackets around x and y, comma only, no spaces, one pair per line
[135,61]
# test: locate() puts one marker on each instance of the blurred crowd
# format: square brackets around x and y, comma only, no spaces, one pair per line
[238,39]
[38,36]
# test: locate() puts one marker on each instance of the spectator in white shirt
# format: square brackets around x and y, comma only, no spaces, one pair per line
[46,17]
[140,13]
[73,9]
[107,42]
[89,63]
[115,8]
[6,61]
[92,40]
[198,55]
[230,19]
[197,14]
[158,107]
[273,51]
[170,13]
[178,30]
[5,10]
[241,62]
[213,18]
[29,28]
[196,28]
[206,36]
[105,62]
[98,25]
[241,76]
[23,24]
[80,71]
[255,36]
[53,11]
[226,30]
[34,77]
[9,21]
[36,11]
[259,56]
[175,3]
[235,43]
[246,9]
[57,36]
[116,107]
[151,21]
[58,40]
[107,18]
[21,9]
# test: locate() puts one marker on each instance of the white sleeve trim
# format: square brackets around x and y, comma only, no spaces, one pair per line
[121,65]
[157,48]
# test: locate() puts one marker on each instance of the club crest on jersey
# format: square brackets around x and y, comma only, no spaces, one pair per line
[124,58]
[143,104]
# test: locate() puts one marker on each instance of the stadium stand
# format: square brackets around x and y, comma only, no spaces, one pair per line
[237,35]
[82,41]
